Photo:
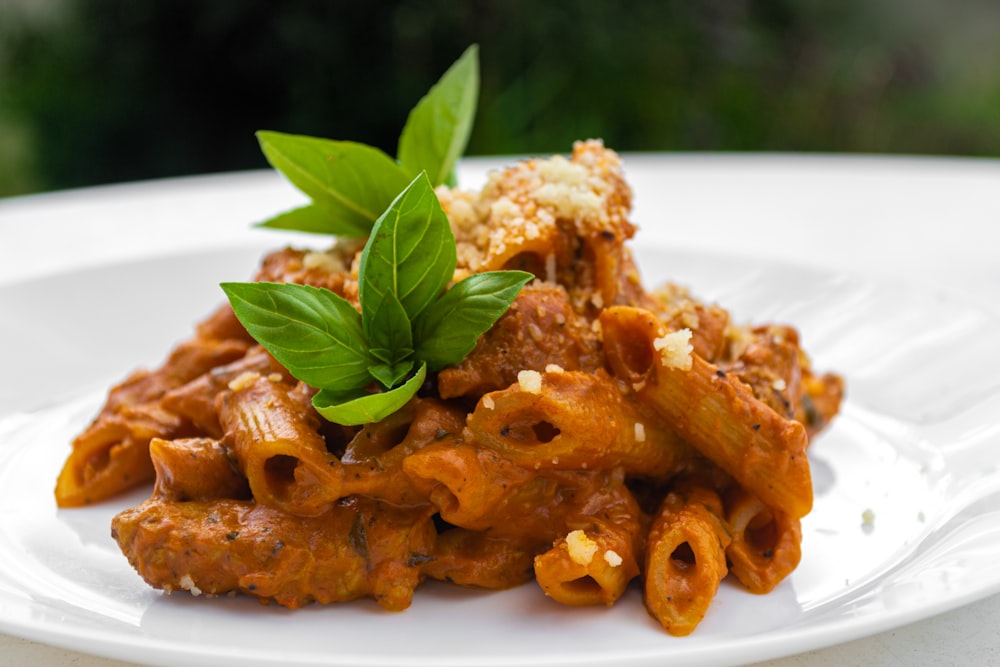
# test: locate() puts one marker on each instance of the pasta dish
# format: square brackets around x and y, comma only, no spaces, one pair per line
[600,435]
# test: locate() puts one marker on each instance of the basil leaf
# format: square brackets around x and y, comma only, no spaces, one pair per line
[315,219]
[447,331]
[356,408]
[352,181]
[411,253]
[388,330]
[314,333]
[437,130]
[390,374]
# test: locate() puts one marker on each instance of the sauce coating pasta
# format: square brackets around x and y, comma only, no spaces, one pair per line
[599,435]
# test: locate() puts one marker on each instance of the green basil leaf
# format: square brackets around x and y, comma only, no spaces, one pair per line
[352,181]
[447,331]
[438,128]
[388,330]
[314,333]
[390,374]
[411,253]
[315,219]
[356,408]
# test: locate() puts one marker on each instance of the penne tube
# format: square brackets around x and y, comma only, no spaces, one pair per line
[713,411]
[589,566]
[275,440]
[685,559]
[596,554]
[195,469]
[571,420]
[475,488]
[195,400]
[112,454]
[767,544]
[360,548]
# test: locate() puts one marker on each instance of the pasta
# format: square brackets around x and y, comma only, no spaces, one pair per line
[600,435]
[685,558]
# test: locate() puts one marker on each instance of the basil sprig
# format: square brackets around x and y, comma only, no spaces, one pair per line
[368,364]
[351,184]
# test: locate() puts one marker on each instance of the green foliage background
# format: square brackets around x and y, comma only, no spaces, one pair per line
[96,91]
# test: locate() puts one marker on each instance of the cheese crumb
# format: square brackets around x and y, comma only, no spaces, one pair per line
[612,558]
[779,385]
[550,268]
[675,349]
[187,583]
[530,381]
[580,547]
[244,381]
[640,432]
[322,261]
[488,402]
[554,368]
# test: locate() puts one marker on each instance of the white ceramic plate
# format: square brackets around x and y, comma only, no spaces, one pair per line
[916,447]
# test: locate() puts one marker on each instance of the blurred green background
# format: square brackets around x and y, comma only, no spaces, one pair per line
[97,91]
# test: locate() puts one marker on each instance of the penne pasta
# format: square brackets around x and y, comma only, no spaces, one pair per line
[195,469]
[195,400]
[276,442]
[767,544]
[591,566]
[571,420]
[713,411]
[112,454]
[685,559]
[596,433]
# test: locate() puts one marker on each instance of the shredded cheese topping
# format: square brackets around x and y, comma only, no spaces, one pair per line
[187,583]
[640,432]
[243,381]
[580,547]
[530,381]
[675,349]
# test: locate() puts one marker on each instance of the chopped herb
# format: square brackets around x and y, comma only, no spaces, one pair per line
[358,537]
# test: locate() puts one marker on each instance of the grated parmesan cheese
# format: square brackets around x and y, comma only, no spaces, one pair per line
[322,261]
[522,208]
[244,381]
[640,432]
[488,402]
[187,583]
[675,349]
[612,558]
[580,547]
[530,381]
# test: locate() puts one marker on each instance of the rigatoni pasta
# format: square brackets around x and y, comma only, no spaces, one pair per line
[599,435]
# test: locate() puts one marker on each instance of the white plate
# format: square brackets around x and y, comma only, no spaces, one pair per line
[916,445]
